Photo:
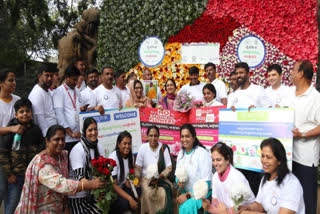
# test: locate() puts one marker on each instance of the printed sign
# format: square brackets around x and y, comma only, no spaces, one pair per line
[112,123]
[251,50]
[200,53]
[244,131]
[151,51]
[151,89]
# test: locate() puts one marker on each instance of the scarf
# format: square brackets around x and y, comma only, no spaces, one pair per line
[91,145]
[172,97]
[207,104]
[224,177]
[143,101]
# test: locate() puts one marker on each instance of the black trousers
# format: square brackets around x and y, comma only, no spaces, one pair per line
[308,177]
[120,205]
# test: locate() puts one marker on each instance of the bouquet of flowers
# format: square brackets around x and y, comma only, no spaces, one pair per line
[200,190]
[182,103]
[102,167]
[181,174]
[197,104]
[239,193]
[133,182]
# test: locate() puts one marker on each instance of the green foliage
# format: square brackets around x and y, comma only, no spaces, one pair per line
[125,24]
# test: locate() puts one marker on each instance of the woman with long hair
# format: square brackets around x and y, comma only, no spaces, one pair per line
[280,191]
[80,167]
[156,191]
[123,156]
[137,99]
[225,178]
[197,162]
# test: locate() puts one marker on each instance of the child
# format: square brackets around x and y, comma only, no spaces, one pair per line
[15,159]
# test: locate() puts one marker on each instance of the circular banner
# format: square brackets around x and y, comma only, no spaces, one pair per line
[151,51]
[251,50]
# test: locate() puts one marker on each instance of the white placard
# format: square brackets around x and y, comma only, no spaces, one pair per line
[251,50]
[200,53]
[151,51]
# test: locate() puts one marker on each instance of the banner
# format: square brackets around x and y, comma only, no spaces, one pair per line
[244,131]
[206,122]
[200,53]
[168,122]
[112,123]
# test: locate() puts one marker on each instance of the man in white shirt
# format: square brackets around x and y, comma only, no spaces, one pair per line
[248,95]
[194,88]
[147,75]
[233,84]
[106,95]
[67,105]
[306,102]
[81,66]
[92,77]
[121,81]
[219,85]
[276,92]
[41,98]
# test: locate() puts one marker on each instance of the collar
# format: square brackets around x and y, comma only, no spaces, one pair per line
[199,82]
[209,103]
[67,87]
[307,92]
[225,174]
[188,153]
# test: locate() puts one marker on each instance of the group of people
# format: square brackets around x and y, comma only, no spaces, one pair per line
[35,172]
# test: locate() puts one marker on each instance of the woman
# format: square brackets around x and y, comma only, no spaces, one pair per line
[197,162]
[166,102]
[154,199]
[209,95]
[123,156]
[137,99]
[280,191]
[222,182]
[46,183]
[80,167]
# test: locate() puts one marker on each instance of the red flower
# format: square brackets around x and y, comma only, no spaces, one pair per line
[106,171]
[113,163]
[131,172]
[94,162]
[100,169]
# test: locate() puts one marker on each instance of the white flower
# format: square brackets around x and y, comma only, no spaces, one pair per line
[239,193]
[200,189]
[181,174]
[152,171]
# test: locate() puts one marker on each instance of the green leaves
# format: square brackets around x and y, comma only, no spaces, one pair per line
[125,24]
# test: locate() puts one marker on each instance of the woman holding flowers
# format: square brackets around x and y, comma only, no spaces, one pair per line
[280,191]
[209,96]
[137,99]
[123,173]
[197,162]
[166,102]
[46,180]
[156,190]
[225,181]
[81,168]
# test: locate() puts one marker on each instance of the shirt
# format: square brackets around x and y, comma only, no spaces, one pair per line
[42,108]
[7,111]
[194,91]
[116,170]
[221,89]
[108,98]
[125,95]
[87,97]
[278,96]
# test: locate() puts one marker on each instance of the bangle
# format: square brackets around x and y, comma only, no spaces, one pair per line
[188,196]
[81,186]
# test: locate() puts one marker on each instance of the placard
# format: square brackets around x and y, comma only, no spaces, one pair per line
[151,89]
[151,51]
[112,123]
[200,53]
[244,131]
[251,50]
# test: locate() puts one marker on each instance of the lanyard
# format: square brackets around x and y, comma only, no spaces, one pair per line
[75,97]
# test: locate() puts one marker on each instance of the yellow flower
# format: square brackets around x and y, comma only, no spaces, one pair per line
[135,181]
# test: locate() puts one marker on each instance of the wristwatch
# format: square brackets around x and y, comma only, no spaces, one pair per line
[188,196]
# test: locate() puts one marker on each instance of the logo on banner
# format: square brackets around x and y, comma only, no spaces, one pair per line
[151,51]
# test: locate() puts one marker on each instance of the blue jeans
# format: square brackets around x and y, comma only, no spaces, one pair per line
[14,193]
[3,186]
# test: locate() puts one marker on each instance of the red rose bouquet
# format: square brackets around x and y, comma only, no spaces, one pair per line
[102,167]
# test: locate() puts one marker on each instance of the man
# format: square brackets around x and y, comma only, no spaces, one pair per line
[67,105]
[233,84]
[81,66]
[147,75]
[248,95]
[276,92]
[219,85]
[106,95]
[306,102]
[121,81]
[92,77]
[41,98]
[194,88]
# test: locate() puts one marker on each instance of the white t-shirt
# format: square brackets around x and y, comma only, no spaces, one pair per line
[278,96]
[214,102]
[42,108]
[116,170]
[78,159]
[222,190]
[87,96]
[108,98]
[61,99]
[7,111]
[253,95]
[198,164]
[288,195]
[221,89]
[194,91]
[125,95]
[147,157]
[307,117]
